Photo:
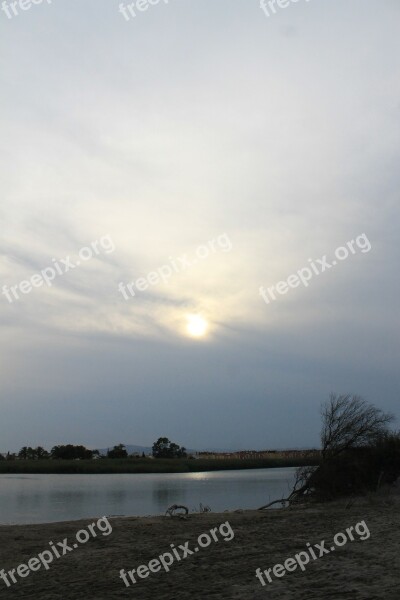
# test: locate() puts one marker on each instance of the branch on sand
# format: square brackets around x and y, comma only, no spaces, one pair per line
[301,487]
[172,509]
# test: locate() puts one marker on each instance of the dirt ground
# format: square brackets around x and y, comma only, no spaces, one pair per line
[359,570]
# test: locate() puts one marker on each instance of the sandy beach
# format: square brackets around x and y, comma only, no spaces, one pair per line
[359,570]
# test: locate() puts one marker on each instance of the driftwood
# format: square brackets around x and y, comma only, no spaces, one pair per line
[302,480]
[283,501]
[176,507]
[294,496]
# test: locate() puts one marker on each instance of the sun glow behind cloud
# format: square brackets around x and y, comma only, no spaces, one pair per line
[235,125]
[197,326]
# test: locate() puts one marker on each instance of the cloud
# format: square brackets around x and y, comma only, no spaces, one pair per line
[164,133]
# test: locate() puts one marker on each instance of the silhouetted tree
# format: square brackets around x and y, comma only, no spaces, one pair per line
[31,453]
[23,453]
[163,448]
[350,422]
[359,453]
[70,452]
[41,453]
[117,452]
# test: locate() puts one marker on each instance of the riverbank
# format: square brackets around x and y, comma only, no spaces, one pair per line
[145,465]
[225,570]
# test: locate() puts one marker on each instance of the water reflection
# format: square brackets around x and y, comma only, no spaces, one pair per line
[164,495]
[46,498]
[117,496]
[26,500]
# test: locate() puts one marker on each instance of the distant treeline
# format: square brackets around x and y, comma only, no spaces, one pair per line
[68,452]
[162,448]
[167,457]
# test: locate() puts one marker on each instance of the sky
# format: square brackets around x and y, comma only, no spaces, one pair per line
[198,151]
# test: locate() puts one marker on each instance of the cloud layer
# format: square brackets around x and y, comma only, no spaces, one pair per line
[190,121]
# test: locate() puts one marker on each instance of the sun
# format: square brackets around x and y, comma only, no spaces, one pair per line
[196,326]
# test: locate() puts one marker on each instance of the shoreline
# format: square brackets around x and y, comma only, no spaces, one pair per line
[225,570]
[143,466]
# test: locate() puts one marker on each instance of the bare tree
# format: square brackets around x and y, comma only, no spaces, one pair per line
[349,421]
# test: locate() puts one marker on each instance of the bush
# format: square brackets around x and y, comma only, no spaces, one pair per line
[358,470]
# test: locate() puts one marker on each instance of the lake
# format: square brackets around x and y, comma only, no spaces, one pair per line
[50,498]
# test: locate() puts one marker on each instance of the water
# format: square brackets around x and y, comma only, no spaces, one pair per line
[50,498]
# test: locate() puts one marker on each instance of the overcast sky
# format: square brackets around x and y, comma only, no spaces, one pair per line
[278,138]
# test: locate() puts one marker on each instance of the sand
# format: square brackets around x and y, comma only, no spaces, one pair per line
[359,570]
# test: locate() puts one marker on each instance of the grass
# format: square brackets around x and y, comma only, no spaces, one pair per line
[146,465]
